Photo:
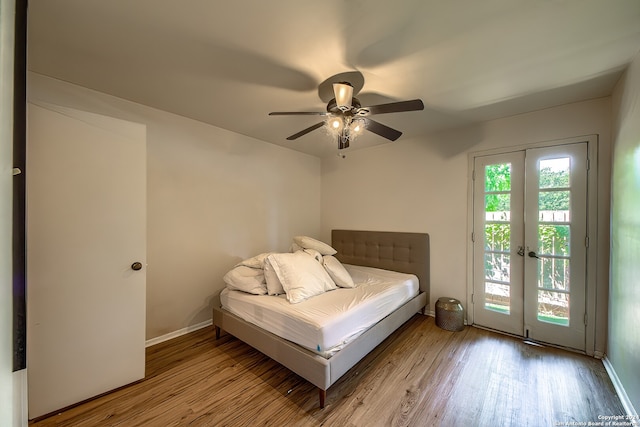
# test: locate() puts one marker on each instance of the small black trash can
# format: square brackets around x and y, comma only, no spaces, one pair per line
[449,314]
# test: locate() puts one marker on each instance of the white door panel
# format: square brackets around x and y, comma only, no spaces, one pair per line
[86,225]
[498,232]
[556,230]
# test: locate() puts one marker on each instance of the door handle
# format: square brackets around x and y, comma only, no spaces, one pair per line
[520,250]
[136,266]
[532,254]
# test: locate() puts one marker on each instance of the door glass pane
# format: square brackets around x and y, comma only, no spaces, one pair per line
[553,273]
[553,307]
[497,237]
[554,232]
[555,201]
[553,240]
[496,267]
[497,297]
[497,206]
[497,177]
[554,173]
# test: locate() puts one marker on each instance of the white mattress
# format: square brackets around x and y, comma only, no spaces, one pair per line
[326,322]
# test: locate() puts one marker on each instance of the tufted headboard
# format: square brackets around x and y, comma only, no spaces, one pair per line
[398,251]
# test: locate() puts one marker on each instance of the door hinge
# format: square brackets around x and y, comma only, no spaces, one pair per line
[16,171]
[473,175]
[586,241]
[472,301]
[588,164]
[585,319]
[473,236]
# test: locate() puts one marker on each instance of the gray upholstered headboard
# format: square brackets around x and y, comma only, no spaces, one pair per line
[404,252]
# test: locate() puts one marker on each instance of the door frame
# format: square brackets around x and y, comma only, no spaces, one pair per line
[592,227]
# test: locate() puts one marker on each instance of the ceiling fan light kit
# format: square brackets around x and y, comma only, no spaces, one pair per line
[347,118]
[335,123]
[346,129]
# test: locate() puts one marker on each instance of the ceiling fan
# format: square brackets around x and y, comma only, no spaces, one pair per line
[347,118]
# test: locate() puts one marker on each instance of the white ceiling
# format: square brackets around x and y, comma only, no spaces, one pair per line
[230,63]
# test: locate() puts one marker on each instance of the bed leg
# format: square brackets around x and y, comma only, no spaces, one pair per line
[322,394]
[217,332]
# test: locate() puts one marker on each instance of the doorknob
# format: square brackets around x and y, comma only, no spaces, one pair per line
[532,254]
[136,266]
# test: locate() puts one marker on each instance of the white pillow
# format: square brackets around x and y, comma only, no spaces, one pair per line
[246,279]
[315,254]
[338,273]
[294,247]
[274,287]
[256,261]
[311,243]
[302,277]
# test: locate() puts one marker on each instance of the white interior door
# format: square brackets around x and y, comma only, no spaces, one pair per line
[86,226]
[530,232]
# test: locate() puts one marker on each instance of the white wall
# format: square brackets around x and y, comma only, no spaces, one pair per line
[214,197]
[420,185]
[623,348]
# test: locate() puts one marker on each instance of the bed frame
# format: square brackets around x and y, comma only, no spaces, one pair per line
[403,252]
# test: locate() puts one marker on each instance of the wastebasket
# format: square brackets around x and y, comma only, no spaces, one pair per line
[449,314]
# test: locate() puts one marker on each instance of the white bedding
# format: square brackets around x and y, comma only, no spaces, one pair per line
[326,322]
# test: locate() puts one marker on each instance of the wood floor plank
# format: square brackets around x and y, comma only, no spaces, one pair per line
[421,376]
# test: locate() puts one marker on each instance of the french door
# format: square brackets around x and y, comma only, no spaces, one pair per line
[530,243]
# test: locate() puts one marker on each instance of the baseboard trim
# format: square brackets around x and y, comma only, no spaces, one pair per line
[178,333]
[617,384]
[20,410]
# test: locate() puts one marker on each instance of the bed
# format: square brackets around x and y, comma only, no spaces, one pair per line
[394,251]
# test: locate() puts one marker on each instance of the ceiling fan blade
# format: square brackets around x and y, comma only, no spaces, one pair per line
[382,130]
[305,131]
[392,107]
[299,113]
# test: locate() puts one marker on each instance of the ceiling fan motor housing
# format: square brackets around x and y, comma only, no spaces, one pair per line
[332,107]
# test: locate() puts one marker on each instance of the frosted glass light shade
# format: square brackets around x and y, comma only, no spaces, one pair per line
[343,93]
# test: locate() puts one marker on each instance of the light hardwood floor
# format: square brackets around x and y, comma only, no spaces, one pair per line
[421,376]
